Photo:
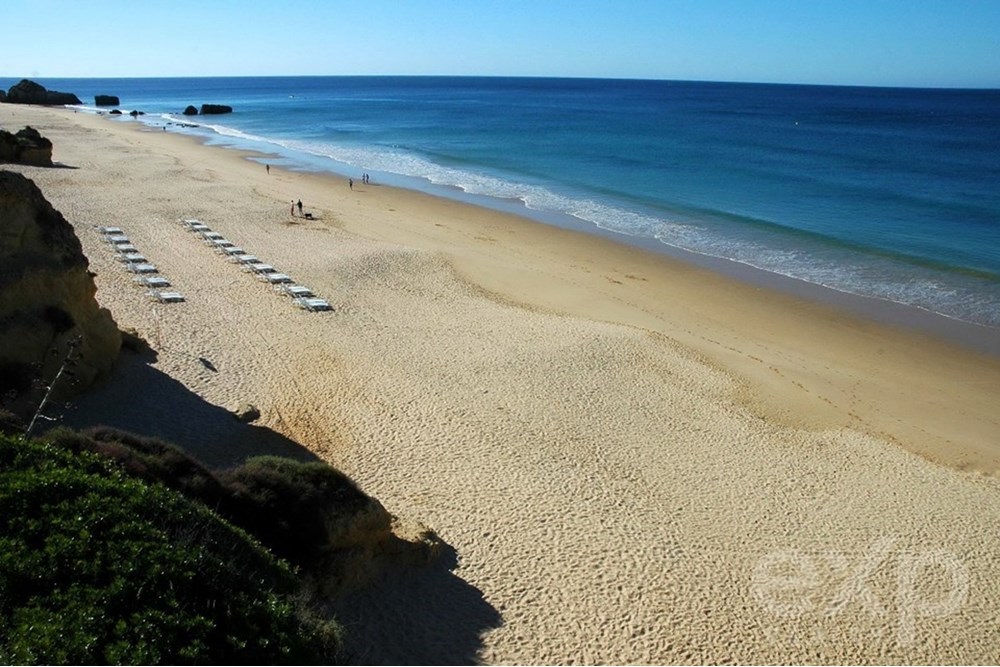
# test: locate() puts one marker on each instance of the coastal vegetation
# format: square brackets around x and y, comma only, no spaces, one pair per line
[100,564]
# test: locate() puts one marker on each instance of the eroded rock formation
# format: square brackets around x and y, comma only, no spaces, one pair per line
[29,92]
[25,147]
[215,108]
[106,100]
[47,302]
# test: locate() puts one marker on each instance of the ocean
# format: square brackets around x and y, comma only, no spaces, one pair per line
[887,193]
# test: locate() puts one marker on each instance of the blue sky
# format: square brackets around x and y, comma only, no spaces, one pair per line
[951,43]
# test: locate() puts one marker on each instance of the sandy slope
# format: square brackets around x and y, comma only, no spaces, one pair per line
[634,460]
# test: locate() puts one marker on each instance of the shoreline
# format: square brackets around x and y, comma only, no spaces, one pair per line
[612,442]
[979,338]
[963,345]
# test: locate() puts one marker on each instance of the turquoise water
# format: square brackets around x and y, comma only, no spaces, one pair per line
[886,193]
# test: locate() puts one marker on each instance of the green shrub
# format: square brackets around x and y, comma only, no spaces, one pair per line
[291,507]
[150,459]
[98,567]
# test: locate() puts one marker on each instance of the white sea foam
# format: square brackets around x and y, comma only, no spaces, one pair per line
[840,270]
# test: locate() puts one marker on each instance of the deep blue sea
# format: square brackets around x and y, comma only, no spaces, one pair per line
[883,192]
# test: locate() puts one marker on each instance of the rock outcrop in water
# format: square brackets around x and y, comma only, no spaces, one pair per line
[215,109]
[26,146]
[106,100]
[47,302]
[29,92]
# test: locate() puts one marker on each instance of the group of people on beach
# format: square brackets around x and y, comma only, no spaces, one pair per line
[298,204]
[364,179]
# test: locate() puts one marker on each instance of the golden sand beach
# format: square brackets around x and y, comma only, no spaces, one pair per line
[634,460]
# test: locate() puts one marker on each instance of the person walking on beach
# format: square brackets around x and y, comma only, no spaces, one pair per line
[300,206]
[350,183]
[292,211]
[268,168]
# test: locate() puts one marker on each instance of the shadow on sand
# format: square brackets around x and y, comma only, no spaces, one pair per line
[412,615]
[425,616]
[140,398]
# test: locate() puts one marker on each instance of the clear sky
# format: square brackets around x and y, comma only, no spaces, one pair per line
[951,43]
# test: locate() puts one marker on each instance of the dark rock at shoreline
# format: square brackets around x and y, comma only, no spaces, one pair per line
[136,114]
[215,108]
[29,92]
[3,96]
[106,100]
[25,147]
[190,110]
[115,112]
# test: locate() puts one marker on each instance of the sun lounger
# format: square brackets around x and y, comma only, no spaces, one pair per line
[296,291]
[141,268]
[222,244]
[132,258]
[232,250]
[115,239]
[260,268]
[276,278]
[210,236]
[166,297]
[313,304]
[125,248]
[247,259]
[190,222]
[107,231]
[152,281]
[199,228]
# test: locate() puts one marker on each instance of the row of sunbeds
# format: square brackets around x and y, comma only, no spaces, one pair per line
[301,295]
[135,262]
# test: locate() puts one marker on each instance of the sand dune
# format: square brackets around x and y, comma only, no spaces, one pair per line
[635,461]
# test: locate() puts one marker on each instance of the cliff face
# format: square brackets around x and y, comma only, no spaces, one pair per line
[47,300]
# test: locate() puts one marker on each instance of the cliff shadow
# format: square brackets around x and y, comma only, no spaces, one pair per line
[140,398]
[416,616]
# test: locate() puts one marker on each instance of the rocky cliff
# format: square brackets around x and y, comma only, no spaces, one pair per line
[47,301]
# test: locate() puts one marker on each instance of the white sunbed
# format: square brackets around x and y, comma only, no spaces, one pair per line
[190,222]
[276,278]
[233,250]
[313,304]
[125,248]
[210,236]
[153,281]
[221,244]
[115,239]
[297,291]
[141,268]
[166,297]
[199,228]
[261,268]
[247,259]
[133,258]
[107,231]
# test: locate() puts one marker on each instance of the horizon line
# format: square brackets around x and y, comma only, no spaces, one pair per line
[527,76]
